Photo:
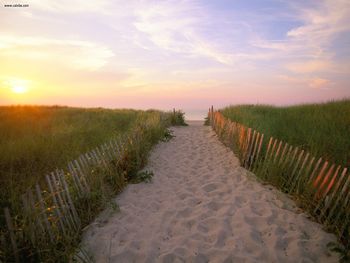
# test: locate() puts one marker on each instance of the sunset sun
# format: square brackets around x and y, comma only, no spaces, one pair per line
[19,89]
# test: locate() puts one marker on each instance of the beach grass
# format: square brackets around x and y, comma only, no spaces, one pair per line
[322,129]
[35,140]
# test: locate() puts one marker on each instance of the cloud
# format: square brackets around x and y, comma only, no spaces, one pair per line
[315,38]
[319,83]
[309,47]
[312,82]
[309,66]
[174,26]
[322,23]
[77,54]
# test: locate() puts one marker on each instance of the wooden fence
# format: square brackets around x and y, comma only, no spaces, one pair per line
[48,213]
[322,187]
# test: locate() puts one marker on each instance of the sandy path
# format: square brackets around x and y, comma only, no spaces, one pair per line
[202,207]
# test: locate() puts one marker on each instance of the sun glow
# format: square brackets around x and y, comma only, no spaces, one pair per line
[19,89]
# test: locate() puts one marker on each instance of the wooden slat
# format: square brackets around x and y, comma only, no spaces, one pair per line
[290,162]
[298,160]
[89,159]
[97,157]
[31,200]
[272,152]
[83,158]
[12,233]
[287,166]
[85,165]
[320,175]
[113,150]
[314,171]
[325,180]
[29,217]
[268,147]
[62,201]
[254,151]
[108,152]
[102,160]
[76,179]
[249,148]
[268,155]
[278,151]
[346,209]
[56,209]
[43,213]
[297,177]
[284,162]
[324,194]
[242,136]
[257,163]
[341,197]
[82,177]
[285,147]
[338,193]
[70,201]
[85,169]
[59,174]
[230,134]
[309,166]
[253,147]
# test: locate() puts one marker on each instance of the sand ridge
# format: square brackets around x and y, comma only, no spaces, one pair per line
[201,206]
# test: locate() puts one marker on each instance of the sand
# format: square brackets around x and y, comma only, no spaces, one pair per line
[201,206]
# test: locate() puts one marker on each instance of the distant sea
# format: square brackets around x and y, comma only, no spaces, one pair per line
[196,114]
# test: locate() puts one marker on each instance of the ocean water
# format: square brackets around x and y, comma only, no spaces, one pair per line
[195,114]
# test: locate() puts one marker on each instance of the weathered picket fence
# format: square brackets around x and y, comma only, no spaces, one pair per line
[323,187]
[48,213]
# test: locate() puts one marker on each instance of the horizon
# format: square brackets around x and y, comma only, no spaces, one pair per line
[190,114]
[186,55]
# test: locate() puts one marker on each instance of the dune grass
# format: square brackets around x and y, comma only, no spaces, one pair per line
[177,118]
[322,129]
[34,140]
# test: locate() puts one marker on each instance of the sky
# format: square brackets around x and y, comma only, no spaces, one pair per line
[174,54]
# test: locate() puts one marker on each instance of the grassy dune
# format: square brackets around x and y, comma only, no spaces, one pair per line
[323,129]
[34,140]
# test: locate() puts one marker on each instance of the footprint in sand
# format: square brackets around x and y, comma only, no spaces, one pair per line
[210,187]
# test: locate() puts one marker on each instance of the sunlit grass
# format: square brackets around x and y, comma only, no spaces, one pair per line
[36,140]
